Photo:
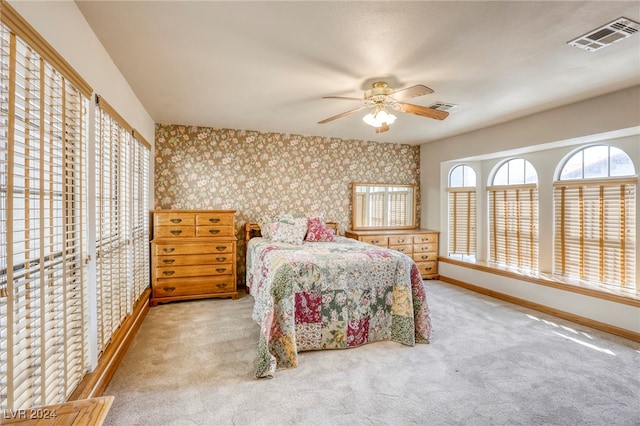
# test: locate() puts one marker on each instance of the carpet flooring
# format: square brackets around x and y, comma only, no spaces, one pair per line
[489,363]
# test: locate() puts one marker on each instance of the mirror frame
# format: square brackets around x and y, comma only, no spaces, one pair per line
[411,225]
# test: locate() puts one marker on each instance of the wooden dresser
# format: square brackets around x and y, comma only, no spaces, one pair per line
[193,255]
[419,244]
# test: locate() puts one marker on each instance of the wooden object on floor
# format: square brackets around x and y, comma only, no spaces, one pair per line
[193,255]
[83,412]
[419,244]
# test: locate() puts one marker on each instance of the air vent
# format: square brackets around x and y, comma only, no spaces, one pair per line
[442,106]
[601,37]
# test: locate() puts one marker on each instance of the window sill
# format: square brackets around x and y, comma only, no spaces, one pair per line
[626,296]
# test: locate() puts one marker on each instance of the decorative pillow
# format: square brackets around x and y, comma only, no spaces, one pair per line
[291,229]
[318,231]
[268,226]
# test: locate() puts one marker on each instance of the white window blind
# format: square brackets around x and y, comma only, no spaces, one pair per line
[462,220]
[595,230]
[376,208]
[43,131]
[513,221]
[140,216]
[398,208]
[122,224]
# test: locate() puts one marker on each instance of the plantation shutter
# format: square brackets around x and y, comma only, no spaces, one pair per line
[513,219]
[43,131]
[462,220]
[595,226]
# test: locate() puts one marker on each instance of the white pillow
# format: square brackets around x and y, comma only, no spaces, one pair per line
[291,229]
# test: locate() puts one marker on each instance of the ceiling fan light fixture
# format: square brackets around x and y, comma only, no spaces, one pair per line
[378,117]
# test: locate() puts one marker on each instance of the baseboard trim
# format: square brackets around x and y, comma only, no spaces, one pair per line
[627,334]
[94,384]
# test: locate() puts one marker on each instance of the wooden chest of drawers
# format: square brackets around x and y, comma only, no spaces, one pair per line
[419,244]
[193,255]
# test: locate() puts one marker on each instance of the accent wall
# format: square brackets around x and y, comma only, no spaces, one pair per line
[259,173]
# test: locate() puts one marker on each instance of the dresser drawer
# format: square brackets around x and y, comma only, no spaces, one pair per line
[193,286]
[425,256]
[427,268]
[195,259]
[425,238]
[425,248]
[193,270]
[177,231]
[406,249]
[396,240]
[174,218]
[376,240]
[214,231]
[217,219]
[215,247]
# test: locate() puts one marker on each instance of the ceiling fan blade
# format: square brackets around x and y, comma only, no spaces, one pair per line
[344,114]
[411,92]
[424,111]
[382,128]
[344,98]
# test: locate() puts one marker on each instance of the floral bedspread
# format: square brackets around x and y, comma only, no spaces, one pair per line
[331,295]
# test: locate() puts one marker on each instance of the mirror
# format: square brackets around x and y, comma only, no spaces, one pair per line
[382,206]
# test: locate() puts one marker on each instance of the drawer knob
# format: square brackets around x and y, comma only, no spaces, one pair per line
[375,241]
[175,220]
[168,249]
[168,261]
[214,231]
[424,256]
[401,241]
[214,220]
[220,270]
[221,285]
[427,269]
[169,289]
[221,248]
[168,272]
[401,250]
[176,231]
[220,259]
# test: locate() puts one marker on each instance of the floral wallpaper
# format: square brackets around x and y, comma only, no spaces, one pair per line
[258,173]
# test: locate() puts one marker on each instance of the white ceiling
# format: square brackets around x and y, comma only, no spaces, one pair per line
[266,65]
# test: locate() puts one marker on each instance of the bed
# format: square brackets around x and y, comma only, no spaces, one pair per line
[330,295]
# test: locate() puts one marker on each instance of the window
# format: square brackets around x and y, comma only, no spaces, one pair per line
[43,284]
[122,224]
[513,215]
[47,320]
[462,210]
[594,209]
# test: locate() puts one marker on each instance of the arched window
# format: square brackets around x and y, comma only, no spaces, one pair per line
[462,210]
[594,213]
[513,214]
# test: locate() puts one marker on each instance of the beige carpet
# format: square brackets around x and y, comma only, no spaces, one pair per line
[489,363]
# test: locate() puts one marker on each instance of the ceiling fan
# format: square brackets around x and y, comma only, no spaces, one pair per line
[380,97]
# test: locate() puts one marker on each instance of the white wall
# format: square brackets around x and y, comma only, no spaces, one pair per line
[62,24]
[543,139]
[615,114]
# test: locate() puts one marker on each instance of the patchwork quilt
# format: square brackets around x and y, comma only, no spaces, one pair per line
[331,295]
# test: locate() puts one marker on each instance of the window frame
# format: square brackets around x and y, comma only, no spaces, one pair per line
[508,242]
[573,253]
[462,201]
